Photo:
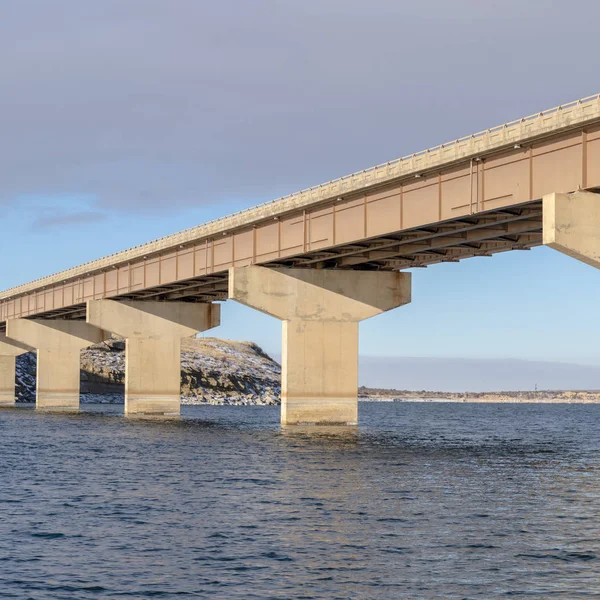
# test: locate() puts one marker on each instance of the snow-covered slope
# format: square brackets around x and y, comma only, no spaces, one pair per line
[212,371]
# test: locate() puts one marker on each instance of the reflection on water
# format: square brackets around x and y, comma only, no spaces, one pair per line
[421,501]
[321,433]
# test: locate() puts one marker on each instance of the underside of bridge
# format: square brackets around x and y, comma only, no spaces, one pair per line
[479,235]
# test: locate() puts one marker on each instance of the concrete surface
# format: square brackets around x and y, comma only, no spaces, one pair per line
[58,344]
[320,310]
[153,333]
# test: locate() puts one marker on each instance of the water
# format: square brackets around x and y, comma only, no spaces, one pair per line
[450,501]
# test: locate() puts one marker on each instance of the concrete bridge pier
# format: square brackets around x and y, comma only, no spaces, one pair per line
[572,225]
[9,350]
[320,310]
[153,333]
[59,344]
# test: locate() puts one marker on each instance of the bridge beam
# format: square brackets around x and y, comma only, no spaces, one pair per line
[320,310]
[572,225]
[58,344]
[153,333]
[9,350]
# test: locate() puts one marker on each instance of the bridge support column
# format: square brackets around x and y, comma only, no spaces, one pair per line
[59,344]
[9,350]
[153,333]
[320,310]
[572,225]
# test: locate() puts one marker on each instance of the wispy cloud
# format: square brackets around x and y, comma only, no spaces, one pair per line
[63,219]
[45,211]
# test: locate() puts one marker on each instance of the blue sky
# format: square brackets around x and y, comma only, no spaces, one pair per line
[127,120]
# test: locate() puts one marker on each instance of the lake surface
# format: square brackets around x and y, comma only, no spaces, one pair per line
[451,501]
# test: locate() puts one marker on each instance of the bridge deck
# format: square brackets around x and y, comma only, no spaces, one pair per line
[473,197]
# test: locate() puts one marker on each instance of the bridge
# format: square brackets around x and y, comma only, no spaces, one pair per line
[321,260]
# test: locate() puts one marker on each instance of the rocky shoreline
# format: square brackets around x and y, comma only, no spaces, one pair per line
[213,371]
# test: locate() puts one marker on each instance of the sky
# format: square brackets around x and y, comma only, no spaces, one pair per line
[125,120]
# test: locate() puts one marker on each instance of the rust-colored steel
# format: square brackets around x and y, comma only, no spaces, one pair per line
[475,197]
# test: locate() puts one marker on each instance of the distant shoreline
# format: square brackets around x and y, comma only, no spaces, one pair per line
[508,397]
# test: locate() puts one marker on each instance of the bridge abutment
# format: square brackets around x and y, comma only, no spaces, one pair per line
[9,350]
[153,333]
[572,225]
[320,310]
[58,344]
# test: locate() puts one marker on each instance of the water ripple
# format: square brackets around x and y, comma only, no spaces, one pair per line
[423,501]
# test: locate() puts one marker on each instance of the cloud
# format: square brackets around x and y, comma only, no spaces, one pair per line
[152,105]
[45,211]
[61,219]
